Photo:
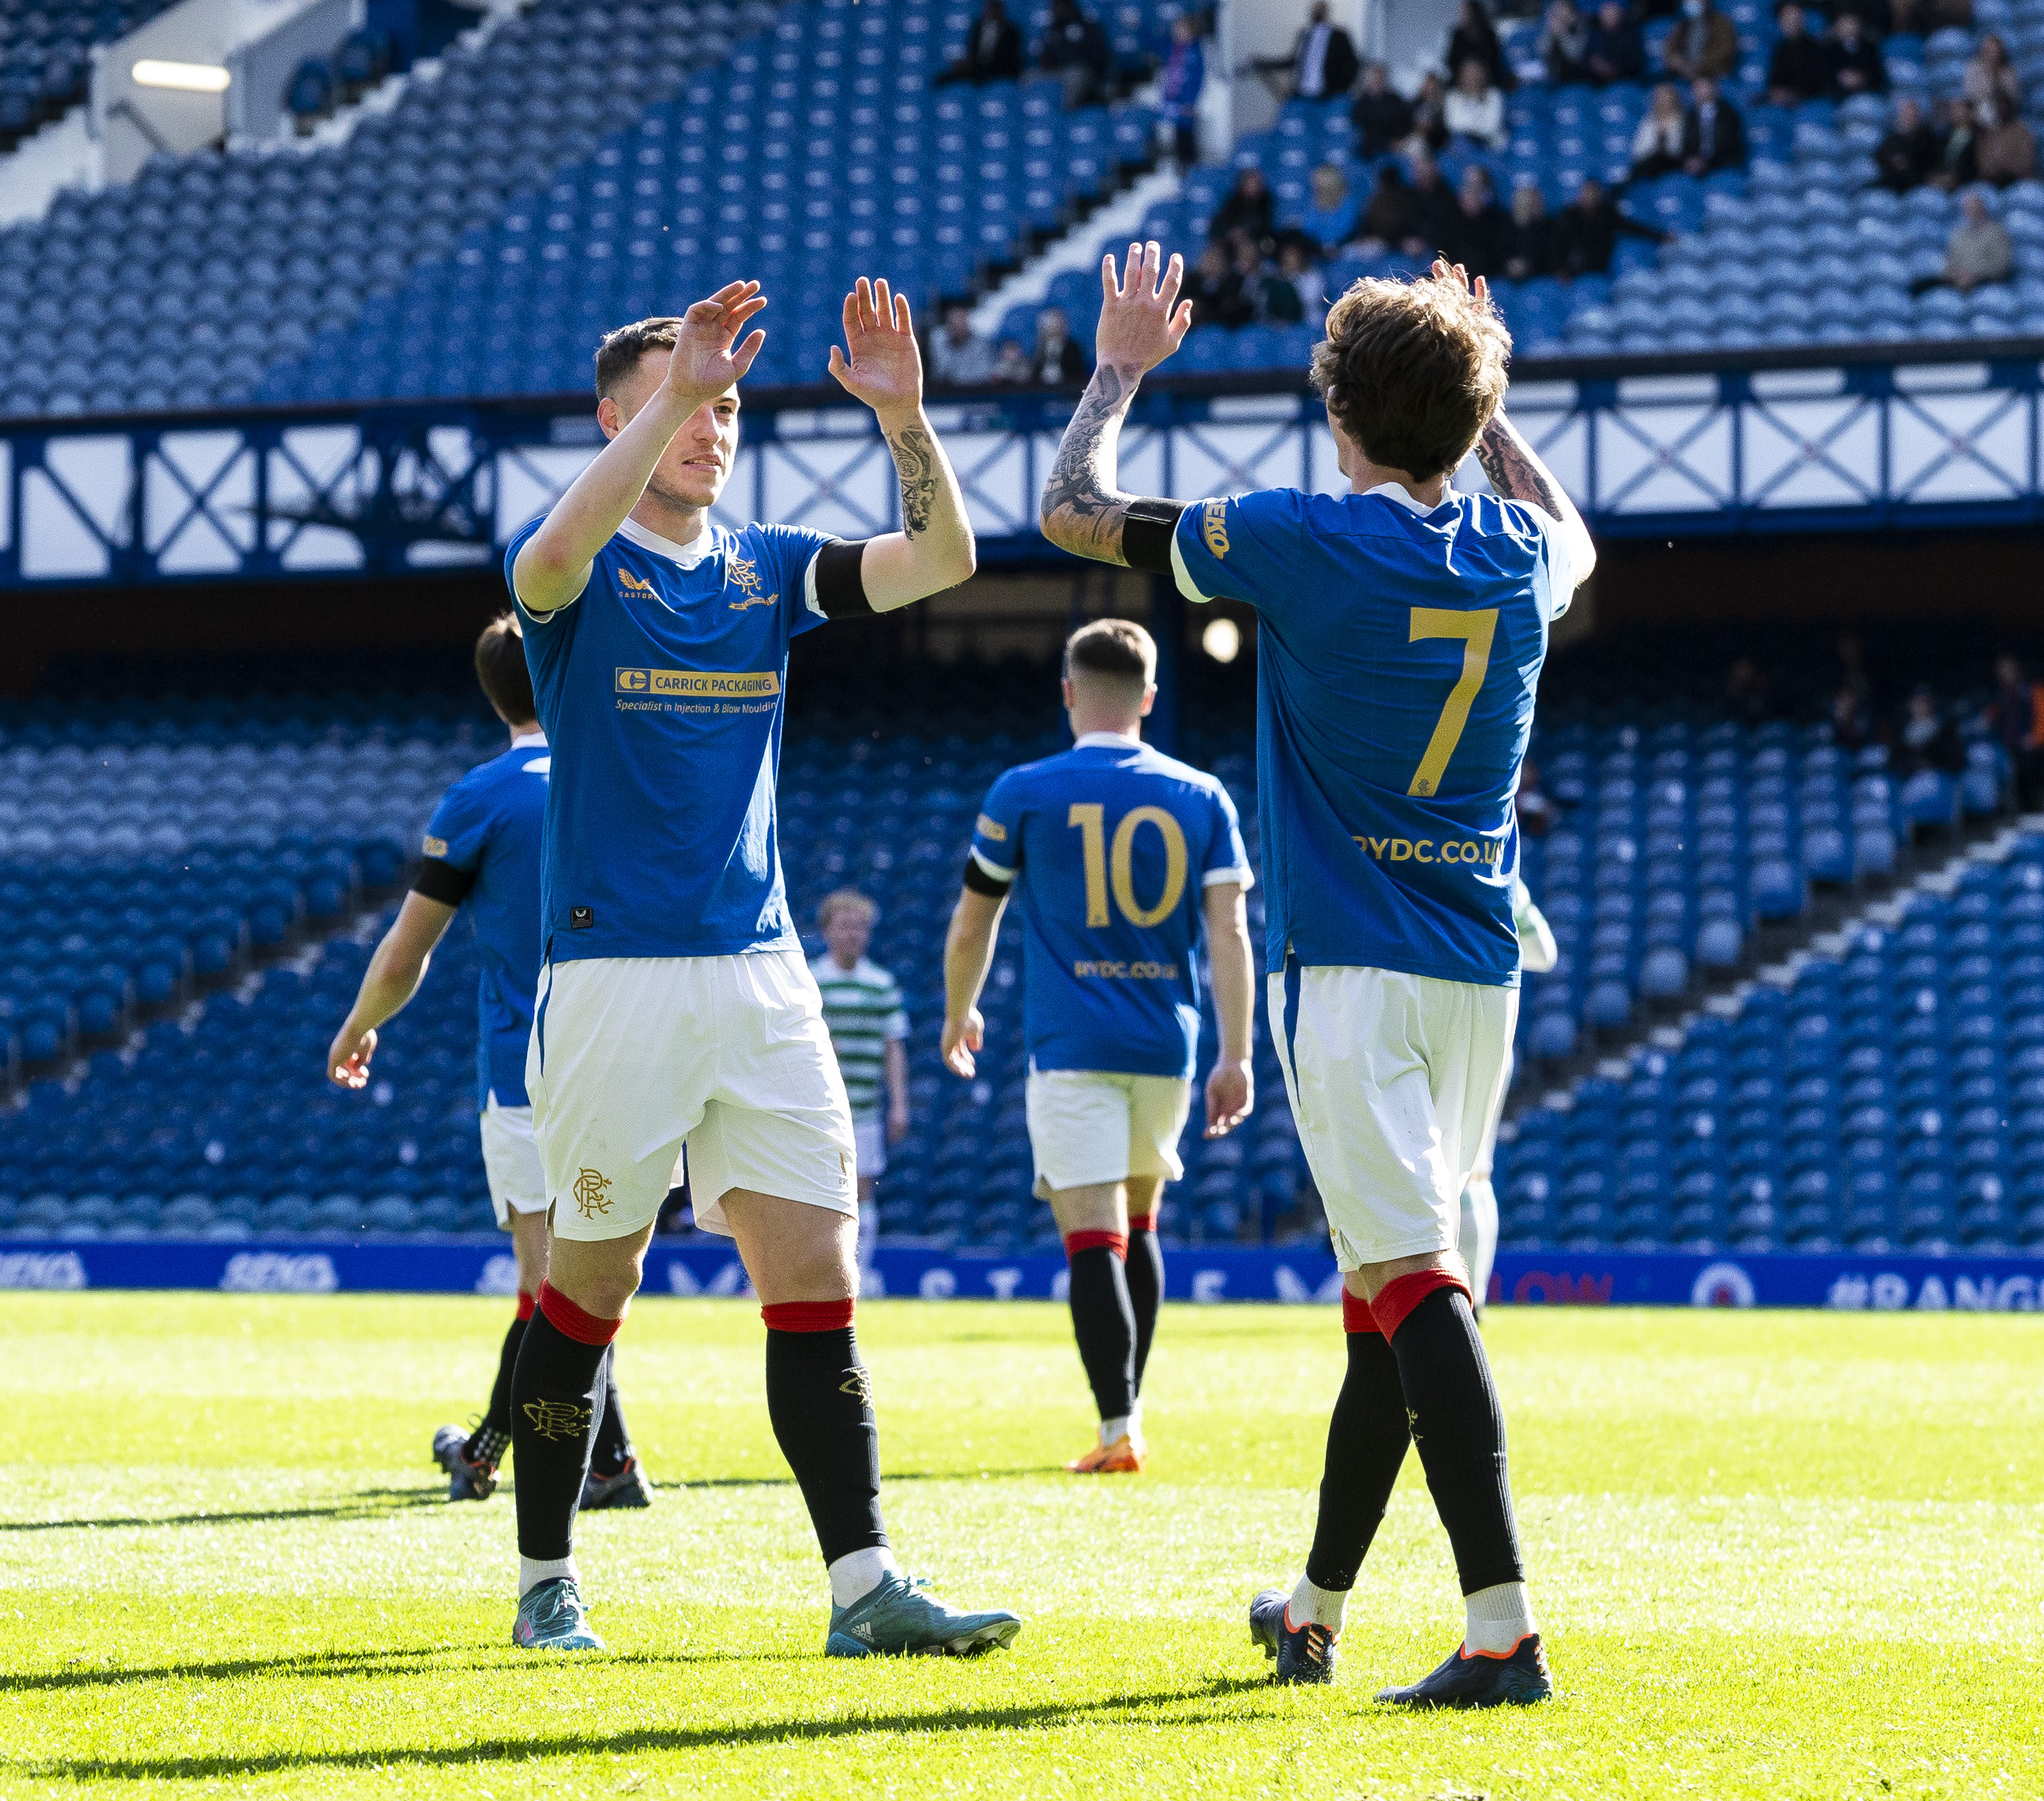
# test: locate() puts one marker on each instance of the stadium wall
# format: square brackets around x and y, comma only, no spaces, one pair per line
[1209,1274]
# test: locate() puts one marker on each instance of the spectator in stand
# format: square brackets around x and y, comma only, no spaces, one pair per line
[1587,231]
[993,50]
[1958,160]
[1075,51]
[1474,39]
[1745,696]
[1704,42]
[1057,361]
[1381,115]
[1800,68]
[1852,723]
[1430,130]
[1323,61]
[1265,296]
[958,357]
[1529,246]
[1657,142]
[1991,76]
[1246,209]
[1614,50]
[1178,88]
[1857,66]
[1329,219]
[1877,17]
[1389,215]
[1309,286]
[1211,286]
[1011,363]
[1925,740]
[2015,715]
[1536,808]
[1473,111]
[1979,251]
[1924,17]
[1481,236]
[2006,152]
[1713,136]
[1909,155]
[1565,42]
[1434,208]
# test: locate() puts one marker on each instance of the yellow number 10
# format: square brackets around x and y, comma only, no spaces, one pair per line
[1479,628]
[1117,866]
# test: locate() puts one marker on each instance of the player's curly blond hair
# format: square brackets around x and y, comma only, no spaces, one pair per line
[1413,371]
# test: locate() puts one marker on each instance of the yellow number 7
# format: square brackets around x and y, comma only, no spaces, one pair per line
[1479,628]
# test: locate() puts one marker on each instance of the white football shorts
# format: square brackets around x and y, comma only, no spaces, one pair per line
[1392,1078]
[1091,1126]
[870,1135]
[631,1057]
[511,1161]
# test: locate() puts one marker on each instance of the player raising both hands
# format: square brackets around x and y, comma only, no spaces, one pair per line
[674,1004]
[1403,627]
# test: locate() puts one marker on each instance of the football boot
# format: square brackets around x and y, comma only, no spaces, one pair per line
[899,1619]
[1516,1678]
[553,1617]
[1304,1653]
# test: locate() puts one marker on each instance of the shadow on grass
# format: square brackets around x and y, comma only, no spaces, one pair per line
[972,1475]
[1006,1718]
[365,1503]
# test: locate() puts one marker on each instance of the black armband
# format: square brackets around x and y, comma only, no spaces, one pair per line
[980,882]
[439,880]
[840,586]
[1146,534]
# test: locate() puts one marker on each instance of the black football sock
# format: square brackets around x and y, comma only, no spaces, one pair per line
[1104,1319]
[1456,1422]
[489,1441]
[612,1448]
[1145,1275]
[557,1396]
[819,1400]
[1366,1441]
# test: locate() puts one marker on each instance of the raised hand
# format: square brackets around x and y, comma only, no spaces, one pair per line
[1142,320]
[703,364]
[879,362]
[1444,270]
[962,1037]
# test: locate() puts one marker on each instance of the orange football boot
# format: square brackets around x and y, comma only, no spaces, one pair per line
[1125,1457]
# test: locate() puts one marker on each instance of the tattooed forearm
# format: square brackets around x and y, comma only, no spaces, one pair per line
[1082,509]
[916,463]
[1516,472]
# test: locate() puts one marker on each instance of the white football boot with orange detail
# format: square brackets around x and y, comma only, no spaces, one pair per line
[1126,1456]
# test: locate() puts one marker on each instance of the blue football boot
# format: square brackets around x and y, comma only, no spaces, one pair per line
[898,1619]
[1482,1679]
[1304,1653]
[628,1488]
[469,1479]
[552,1617]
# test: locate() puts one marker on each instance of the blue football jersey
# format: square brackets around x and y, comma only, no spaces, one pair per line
[490,823]
[1112,845]
[1397,653]
[660,687]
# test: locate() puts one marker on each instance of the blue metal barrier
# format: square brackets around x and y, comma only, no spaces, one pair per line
[1207,1274]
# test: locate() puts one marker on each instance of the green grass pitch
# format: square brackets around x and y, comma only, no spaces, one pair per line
[1774,1555]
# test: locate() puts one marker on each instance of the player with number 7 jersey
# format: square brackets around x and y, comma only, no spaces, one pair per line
[1402,626]
[1125,858]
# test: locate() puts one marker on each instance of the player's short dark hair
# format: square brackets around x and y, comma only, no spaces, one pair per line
[1413,370]
[1118,649]
[500,666]
[618,354]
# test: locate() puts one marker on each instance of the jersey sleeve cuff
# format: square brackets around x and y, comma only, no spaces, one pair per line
[1213,878]
[1001,872]
[1180,574]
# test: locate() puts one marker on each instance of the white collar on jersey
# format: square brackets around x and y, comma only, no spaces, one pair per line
[865,970]
[1404,496]
[521,739]
[688,555]
[1106,741]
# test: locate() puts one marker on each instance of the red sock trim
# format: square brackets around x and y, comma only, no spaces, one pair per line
[1141,1222]
[1397,1298]
[807,1316]
[526,1303]
[1116,1241]
[1356,1315]
[566,1317]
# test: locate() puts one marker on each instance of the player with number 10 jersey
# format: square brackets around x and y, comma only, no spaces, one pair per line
[1125,858]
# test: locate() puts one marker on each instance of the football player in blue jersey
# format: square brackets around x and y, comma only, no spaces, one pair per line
[482,854]
[1402,627]
[1123,854]
[675,1007]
